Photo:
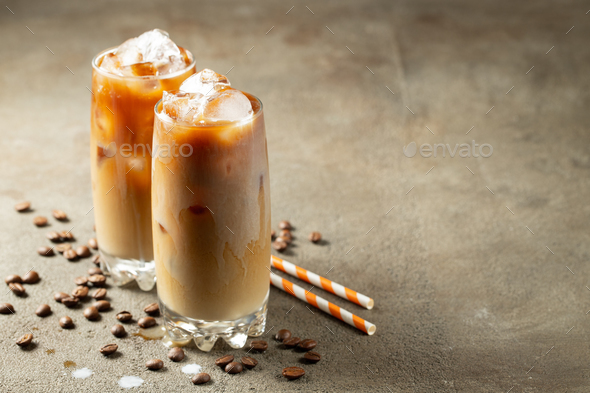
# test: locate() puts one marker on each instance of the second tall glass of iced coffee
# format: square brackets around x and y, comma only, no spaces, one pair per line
[211,212]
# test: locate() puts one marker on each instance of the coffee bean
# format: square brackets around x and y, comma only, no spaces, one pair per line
[92,243]
[54,237]
[176,354]
[96,260]
[279,244]
[146,322]
[70,255]
[80,292]
[22,206]
[249,362]
[32,277]
[234,368]
[63,247]
[201,378]
[40,221]
[224,360]
[45,251]
[154,364]
[81,280]
[43,310]
[98,280]
[25,340]
[94,227]
[283,335]
[17,288]
[13,278]
[67,236]
[69,301]
[312,357]
[108,349]
[66,322]
[124,316]
[285,225]
[83,252]
[307,344]
[102,305]
[118,331]
[293,372]
[59,215]
[93,271]
[273,234]
[291,342]
[91,313]
[99,294]
[315,237]
[152,309]
[59,296]
[259,345]
[6,308]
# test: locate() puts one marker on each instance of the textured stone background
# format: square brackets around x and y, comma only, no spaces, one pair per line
[467,298]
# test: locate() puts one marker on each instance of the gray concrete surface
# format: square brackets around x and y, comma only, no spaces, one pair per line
[467,298]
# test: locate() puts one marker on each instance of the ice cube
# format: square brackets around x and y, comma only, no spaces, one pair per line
[207,82]
[228,105]
[181,106]
[111,63]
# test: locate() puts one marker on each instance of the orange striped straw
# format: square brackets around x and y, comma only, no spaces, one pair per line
[322,304]
[324,283]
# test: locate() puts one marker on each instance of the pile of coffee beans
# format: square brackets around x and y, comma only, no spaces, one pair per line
[285,237]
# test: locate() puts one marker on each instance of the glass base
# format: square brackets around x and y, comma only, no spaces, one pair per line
[206,333]
[124,271]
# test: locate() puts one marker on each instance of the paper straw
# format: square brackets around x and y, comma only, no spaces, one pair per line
[322,304]
[324,283]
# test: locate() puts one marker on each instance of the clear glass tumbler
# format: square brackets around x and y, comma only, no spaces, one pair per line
[211,228]
[122,119]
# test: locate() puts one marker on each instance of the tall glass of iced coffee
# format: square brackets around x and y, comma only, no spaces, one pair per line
[211,212]
[127,82]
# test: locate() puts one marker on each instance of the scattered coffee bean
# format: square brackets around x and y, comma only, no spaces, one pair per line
[224,360]
[91,313]
[152,309]
[98,280]
[70,255]
[176,354]
[273,234]
[108,349]
[234,368]
[99,294]
[118,330]
[63,247]
[201,378]
[307,344]
[22,206]
[45,251]
[259,345]
[285,225]
[66,322]
[96,260]
[80,292]
[43,310]
[83,252]
[286,234]
[291,342]
[59,296]
[13,278]
[93,271]
[59,215]
[124,316]
[315,237]
[54,237]
[146,322]
[154,364]
[32,277]
[94,227]
[312,357]
[283,335]
[102,305]
[249,362]
[69,301]
[40,221]
[279,244]
[6,308]
[81,280]
[25,340]
[17,288]
[293,372]
[92,243]
[67,236]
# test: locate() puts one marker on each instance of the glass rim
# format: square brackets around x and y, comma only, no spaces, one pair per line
[145,77]
[168,119]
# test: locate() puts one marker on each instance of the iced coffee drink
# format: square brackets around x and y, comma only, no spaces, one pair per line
[127,82]
[211,212]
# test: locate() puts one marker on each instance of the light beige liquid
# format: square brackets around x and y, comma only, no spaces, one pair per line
[211,218]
